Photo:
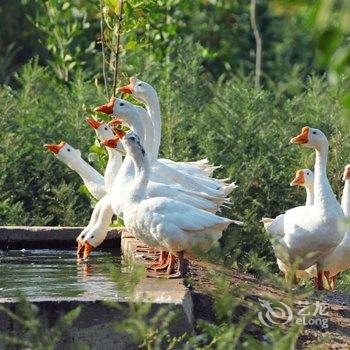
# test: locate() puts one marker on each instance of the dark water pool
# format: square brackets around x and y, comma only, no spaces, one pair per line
[57,273]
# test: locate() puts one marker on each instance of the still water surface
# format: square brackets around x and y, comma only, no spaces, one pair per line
[50,273]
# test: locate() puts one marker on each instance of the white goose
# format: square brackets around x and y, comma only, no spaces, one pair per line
[339,260]
[304,178]
[164,223]
[93,180]
[70,156]
[311,232]
[147,95]
[96,232]
[162,172]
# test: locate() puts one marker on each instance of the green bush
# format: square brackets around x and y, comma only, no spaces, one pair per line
[37,189]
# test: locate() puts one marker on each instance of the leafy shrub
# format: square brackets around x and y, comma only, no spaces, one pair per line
[37,189]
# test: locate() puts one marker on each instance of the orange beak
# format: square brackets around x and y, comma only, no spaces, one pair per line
[80,248]
[95,124]
[120,133]
[126,89]
[87,250]
[303,137]
[111,143]
[54,148]
[346,175]
[115,121]
[106,108]
[299,179]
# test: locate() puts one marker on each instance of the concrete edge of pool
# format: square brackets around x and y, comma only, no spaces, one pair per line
[96,324]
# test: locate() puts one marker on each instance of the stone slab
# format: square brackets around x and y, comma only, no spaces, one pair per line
[38,237]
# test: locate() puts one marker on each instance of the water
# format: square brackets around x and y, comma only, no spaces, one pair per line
[57,273]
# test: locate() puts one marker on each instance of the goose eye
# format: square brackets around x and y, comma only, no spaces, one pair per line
[121,104]
[68,149]
[314,132]
[132,138]
[92,236]
[82,236]
[307,173]
[139,84]
[106,128]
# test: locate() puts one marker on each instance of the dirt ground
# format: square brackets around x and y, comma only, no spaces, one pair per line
[337,305]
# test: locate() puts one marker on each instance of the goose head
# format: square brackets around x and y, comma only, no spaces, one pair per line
[121,108]
[303,177]
[346,175]
[55,148]
[92,241]
[139,89]
[311,138]
[132,145]
[103,130]
[113,142]
[64,152]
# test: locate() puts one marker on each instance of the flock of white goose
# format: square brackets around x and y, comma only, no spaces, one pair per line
[314,236]
[170,206]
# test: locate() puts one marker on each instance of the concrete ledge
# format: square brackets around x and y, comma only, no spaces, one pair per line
[38,237]
[95,326]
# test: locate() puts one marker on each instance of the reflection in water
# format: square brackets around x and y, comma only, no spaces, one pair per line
[48,273]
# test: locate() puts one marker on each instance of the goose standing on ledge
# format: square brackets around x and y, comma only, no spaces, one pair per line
[101,218]
[163,223]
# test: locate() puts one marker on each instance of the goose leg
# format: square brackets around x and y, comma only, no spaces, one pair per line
[162,262]
[334,281]
[319,278]
[170,272]
[169,265]
[328,279]
[181,266]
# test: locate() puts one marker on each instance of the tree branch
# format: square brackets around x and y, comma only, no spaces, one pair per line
[103,52]
[116,63]
[258,41]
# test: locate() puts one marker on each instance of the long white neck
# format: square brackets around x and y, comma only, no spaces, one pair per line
[137,125]
[149,133]
[345,200]
[84,169]
[153,109]
[324,195]
[137,189]
[309,195]
[113,165]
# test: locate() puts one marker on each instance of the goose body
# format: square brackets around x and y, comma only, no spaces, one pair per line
[165,223]
[304,178]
